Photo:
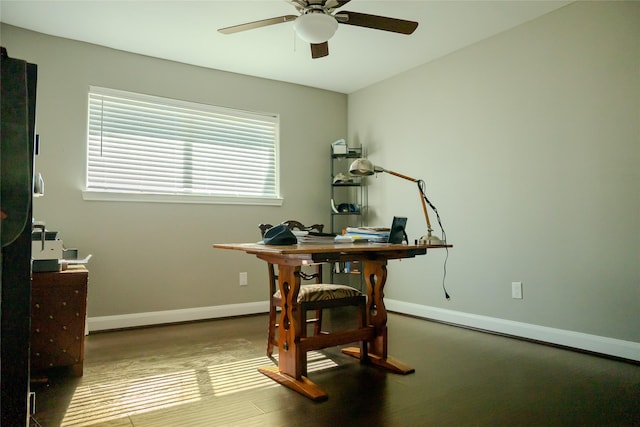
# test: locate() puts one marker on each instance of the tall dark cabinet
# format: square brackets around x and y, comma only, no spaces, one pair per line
[17,149]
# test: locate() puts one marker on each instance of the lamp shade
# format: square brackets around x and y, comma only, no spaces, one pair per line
[315,27]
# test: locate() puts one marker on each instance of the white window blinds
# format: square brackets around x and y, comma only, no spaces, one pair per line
[145,144]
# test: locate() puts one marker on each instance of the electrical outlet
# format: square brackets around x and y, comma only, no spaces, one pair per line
[244,281]
[516,290]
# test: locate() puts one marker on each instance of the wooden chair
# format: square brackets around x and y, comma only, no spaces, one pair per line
[315,296]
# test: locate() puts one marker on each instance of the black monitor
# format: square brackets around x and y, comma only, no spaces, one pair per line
[397,233]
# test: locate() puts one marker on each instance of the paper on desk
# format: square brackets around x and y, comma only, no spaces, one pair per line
[85,260]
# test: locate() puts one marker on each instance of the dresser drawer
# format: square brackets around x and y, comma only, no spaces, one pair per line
[58,314]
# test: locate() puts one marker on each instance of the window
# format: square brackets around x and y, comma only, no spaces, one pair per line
[141,145]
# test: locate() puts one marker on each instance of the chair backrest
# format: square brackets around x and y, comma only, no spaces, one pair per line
[293,225]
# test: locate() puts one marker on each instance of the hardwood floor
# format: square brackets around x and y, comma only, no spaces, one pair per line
[204,374]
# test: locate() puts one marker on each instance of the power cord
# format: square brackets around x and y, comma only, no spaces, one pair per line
[421,187]
[444,275]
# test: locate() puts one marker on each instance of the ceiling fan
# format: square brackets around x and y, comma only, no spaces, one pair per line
[317,23]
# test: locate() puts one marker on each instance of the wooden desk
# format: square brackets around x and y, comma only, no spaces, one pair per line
[292,347]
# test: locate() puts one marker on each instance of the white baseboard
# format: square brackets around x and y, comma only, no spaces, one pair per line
[593,343]
[102,323]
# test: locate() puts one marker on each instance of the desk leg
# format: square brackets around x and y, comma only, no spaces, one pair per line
[375,273]
[292,361]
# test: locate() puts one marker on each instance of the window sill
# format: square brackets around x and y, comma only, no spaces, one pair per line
[111,196]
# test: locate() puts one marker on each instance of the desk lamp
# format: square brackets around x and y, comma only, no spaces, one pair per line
[364,167]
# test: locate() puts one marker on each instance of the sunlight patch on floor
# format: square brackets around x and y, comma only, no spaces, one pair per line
[117,399]
[318,362]
[114,399]
[243,375]
[239,376]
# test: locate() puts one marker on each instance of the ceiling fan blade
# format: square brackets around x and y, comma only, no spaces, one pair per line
[377,22]
[257,24]
[298,4]
[319,50]
[334,4]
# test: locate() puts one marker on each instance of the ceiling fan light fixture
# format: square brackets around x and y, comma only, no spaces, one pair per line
[315,27]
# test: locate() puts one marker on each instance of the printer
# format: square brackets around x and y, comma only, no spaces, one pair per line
[48,252]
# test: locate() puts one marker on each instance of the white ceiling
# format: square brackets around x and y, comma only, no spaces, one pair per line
[185,31]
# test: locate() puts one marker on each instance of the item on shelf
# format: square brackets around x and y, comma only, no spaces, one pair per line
[348,207]
[354,151]
[341,178]
[334,208]
[348,267]
[339,147]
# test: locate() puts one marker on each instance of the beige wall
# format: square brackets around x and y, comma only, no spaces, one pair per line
[155,256]
[529,144]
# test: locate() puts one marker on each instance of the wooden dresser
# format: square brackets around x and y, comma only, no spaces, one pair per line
[58,315]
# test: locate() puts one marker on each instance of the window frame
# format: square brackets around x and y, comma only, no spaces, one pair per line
[95,194]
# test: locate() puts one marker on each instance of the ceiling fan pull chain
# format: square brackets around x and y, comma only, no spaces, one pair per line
[295,40]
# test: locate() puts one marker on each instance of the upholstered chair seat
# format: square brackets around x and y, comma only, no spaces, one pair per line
[323,292]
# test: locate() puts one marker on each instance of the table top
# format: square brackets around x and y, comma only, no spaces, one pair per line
[332,251]
[323,247]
